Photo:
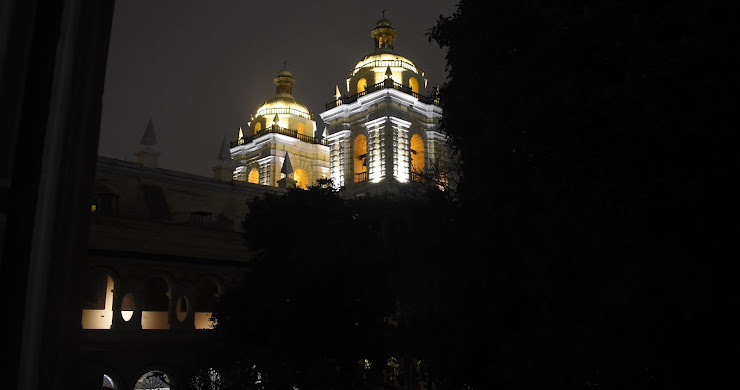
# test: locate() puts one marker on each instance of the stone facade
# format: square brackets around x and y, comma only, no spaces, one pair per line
[162,246]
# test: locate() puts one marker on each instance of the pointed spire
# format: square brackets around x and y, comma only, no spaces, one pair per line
[276,120]
[388,72]
[241,133]
[337,94]
[323,133]
[149,137]
[223,152]
[287,166]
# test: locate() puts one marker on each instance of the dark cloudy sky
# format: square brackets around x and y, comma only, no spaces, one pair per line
[200,68]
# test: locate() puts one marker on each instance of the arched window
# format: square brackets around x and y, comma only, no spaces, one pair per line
[417,156]
[154,380]
[257,127]
[181,308]
[254,176]
[128,305]
[360,159]
[361,85]
[108,382]
[301,178]
[414,84]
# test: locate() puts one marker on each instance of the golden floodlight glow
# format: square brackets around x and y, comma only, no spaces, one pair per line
[383,61]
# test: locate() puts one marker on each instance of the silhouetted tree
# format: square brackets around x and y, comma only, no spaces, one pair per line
[595,146]
[331,286]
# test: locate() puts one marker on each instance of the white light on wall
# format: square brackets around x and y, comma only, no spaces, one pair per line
[376,148]
[400,149]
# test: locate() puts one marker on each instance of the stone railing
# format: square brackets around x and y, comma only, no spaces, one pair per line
[387,83]
[275,129]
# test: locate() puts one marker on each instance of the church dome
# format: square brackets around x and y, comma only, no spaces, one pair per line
[381,61]
[372,71]
[283,102]
[383,56]
[383,23]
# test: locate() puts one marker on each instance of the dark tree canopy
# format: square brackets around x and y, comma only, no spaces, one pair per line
[330,286]
[595,139]
[588,244]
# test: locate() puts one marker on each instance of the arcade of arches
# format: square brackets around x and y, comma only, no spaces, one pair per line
[147,304]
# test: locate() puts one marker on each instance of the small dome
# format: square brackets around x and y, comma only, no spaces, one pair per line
[283,102]
[383,23]
[284,73]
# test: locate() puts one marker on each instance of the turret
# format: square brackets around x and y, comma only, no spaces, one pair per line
[148,155]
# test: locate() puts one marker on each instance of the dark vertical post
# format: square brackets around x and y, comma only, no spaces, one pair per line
[54,56]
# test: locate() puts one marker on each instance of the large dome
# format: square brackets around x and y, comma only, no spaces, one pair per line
[382,61]
[283,105]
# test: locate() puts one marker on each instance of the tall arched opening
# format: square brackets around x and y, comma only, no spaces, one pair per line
[301,178]
[301,128]
[414,84]
[254,176]
[417,156]
[359,158]
[361,85]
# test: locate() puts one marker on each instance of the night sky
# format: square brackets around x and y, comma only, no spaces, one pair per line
[199,69]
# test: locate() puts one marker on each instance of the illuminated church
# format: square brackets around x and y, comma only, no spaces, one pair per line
[163,245]
[381,132]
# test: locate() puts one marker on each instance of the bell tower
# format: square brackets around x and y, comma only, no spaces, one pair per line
[280,127]
[384,131]
[383,34]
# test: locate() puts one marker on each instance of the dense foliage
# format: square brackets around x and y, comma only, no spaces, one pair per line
[329,288]
[595,138]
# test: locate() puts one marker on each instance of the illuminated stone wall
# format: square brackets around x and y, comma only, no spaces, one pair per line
[388,118]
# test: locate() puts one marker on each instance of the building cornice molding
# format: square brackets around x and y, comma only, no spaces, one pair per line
[394,96]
